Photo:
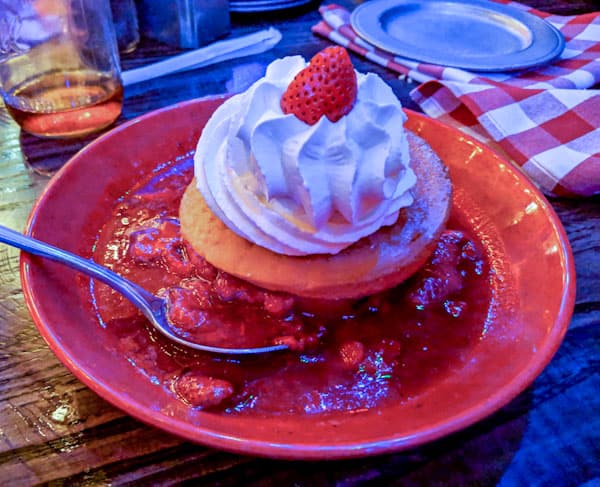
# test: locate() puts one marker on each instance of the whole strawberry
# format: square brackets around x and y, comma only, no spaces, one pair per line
[327,86]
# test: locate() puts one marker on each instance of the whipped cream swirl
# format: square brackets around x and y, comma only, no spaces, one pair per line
[300,189]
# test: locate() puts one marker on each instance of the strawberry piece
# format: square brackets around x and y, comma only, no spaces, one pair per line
[327,86]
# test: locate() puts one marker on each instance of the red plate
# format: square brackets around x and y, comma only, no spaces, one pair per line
[530,255]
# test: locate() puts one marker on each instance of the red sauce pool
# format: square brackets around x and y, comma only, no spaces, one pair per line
[382,349]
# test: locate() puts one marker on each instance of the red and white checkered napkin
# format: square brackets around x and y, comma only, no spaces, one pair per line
[544,119]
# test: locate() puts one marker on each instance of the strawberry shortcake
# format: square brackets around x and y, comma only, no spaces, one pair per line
[309,183]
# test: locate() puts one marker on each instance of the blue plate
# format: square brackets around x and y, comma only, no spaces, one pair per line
[470,34]
[252,6]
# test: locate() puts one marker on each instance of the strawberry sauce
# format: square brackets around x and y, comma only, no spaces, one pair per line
[345,356]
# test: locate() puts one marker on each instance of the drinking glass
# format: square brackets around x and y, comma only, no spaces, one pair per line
[59,66]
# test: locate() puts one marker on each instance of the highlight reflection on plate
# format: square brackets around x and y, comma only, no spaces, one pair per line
[477,35]
[536,298]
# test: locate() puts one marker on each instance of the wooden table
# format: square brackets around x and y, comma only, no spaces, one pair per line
[54,429]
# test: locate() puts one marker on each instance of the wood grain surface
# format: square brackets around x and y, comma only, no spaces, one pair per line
[54,430]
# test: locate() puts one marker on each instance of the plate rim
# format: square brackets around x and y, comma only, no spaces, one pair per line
[364,19]
[307,451]
[249,6]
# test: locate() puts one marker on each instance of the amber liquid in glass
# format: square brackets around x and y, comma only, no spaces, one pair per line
[66,104]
